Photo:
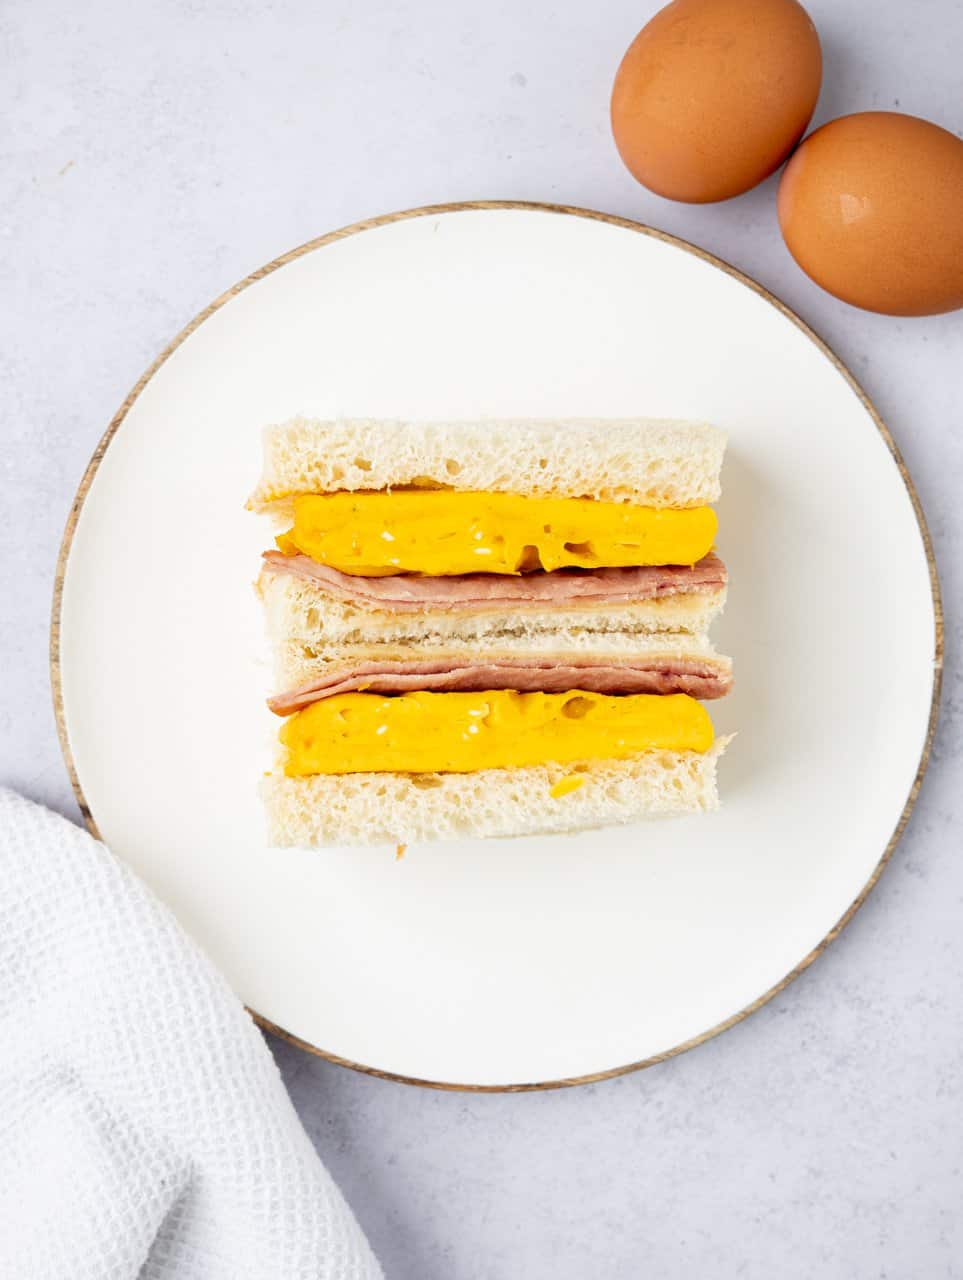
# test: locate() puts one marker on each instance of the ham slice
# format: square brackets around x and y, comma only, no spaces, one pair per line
[413,593]
[541,674]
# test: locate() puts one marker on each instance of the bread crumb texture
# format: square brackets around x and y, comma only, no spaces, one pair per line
[652,462]
[303,622]
[402,809]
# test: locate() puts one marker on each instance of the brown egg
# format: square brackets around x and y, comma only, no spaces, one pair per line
[712,95]
[871,207]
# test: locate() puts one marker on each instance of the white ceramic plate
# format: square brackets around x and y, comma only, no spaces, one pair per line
[537,960]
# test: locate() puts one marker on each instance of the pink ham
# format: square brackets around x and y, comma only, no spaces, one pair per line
[608,674]
[411,593]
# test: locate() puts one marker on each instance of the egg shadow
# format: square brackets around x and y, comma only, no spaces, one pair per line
[840,93]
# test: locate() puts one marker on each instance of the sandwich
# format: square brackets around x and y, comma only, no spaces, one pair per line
[490,628]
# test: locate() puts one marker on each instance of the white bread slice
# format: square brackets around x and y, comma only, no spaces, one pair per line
[300,614]
[298,663]
[399,808]
[652,462]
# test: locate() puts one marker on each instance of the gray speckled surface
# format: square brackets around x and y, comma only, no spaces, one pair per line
[154,154]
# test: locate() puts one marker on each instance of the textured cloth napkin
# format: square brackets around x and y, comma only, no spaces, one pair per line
[144,1128]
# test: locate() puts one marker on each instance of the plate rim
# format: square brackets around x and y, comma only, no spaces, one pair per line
[628,224]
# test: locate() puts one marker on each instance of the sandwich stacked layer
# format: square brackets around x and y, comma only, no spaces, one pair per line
[490,628]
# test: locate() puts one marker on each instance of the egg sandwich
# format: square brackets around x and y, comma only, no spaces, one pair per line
[490,628]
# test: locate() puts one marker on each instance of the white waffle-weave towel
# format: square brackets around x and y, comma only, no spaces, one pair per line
[144,1128]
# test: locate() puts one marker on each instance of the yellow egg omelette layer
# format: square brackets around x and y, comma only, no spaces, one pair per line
[441,533]
[462,732]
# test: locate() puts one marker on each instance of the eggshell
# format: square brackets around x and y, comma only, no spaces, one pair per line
[871,207]
[712,95]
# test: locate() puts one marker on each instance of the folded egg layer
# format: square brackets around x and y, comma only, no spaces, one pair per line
[463,732]
[443,533]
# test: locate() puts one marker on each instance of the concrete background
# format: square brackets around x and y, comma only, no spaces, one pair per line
[152,155]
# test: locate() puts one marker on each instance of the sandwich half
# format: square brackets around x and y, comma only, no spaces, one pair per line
[491,628]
